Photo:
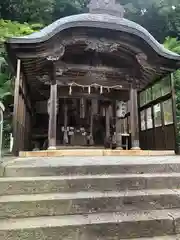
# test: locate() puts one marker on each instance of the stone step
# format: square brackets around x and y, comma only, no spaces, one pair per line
[113,182]
[91,165]
[102,226]
[172,237]
[87,202]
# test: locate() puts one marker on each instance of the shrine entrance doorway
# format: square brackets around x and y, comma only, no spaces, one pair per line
[88,122]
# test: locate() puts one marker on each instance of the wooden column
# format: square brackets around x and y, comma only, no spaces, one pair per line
[91,141]
[118,133]
[107,124]
[16,108]
[65,138]
[65,114]
[134,119]
[176,125]
[53,112]
[26,111]
[118,128]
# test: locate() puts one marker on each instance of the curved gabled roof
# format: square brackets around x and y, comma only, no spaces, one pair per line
[104,21]
[137,56]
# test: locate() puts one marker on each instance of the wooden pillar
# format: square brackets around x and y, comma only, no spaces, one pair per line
[65,115]
[134,119]
[107,123]
[65,138]
[53,112]
[118,128]
[91,140]
[175,116]
[19,121]
[118,133]
[163,126]
[16,108]
[23,114]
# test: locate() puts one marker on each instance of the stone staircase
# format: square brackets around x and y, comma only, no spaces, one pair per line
[91,198]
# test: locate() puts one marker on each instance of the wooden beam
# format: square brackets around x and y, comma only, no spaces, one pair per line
[167,69]
[43,53]
[77,68]
[63,92]
[65,81]
[86,68]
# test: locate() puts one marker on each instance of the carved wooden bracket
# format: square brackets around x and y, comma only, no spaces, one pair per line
[101,46]
[98,45]
[57,54]
[44,79]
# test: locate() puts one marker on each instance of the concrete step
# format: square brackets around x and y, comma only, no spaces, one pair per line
[172,237]
[87,202]
[113,182]
[104,226]
[91,165]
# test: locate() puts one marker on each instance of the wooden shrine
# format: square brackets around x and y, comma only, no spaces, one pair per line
[79,80]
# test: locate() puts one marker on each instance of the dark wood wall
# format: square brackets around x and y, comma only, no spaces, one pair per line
[22,118]
[160,138]
[159,132]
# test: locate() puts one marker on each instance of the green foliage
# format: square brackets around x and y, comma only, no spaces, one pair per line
[160,17]
[9,29]
[172,44]
[43,11]
[6,89]
[63,8]
[27,11]
[177,88]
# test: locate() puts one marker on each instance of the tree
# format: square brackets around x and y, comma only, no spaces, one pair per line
[174,22]
[63,8]
[9,29]
[160,18]
[41,11]
[27,11]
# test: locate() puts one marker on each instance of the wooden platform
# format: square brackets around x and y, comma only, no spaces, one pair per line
[94,152]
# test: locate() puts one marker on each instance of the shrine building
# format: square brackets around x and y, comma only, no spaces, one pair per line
[93,80]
